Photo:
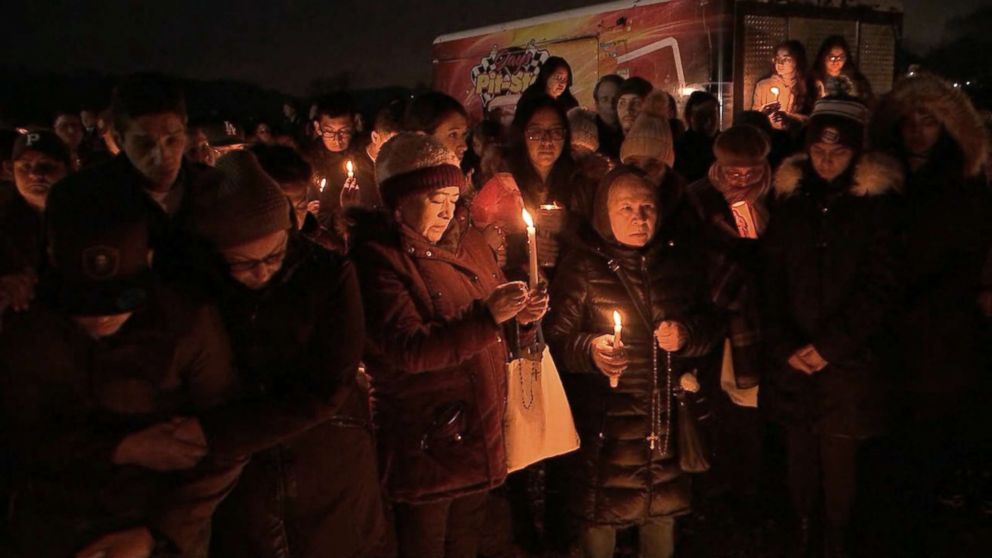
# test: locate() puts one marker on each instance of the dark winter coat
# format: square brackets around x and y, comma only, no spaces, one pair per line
[735,277]
[615,478]
[831,280]
[946,228]
[435,357]
[22,230]
[68,400]
[311,488]
[693,155]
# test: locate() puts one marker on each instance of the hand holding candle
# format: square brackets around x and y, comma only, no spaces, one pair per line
[532,248]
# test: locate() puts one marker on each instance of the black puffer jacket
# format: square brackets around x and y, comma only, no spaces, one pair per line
[831,280]
[615,477]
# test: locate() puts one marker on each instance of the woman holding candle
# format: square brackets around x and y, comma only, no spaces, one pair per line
[835,72]
[436,304]
[782,96]
[645,263]
[731,204]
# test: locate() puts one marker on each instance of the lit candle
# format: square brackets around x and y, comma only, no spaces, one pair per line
[351,169]
[617,343]
[775,92]
[323,184]
[532,243]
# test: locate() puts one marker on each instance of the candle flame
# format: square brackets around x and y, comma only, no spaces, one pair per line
[351,167]
[527,219]
[616,319]
[323,184]
[774,90]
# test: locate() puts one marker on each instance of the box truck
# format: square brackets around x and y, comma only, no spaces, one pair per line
[721,46]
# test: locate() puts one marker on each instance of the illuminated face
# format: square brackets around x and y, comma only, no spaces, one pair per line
[545,134]
[835,61]
[254,263]
[34,174]
[198,148]
[628,107]
[557,82]
[920,132]
[336,133]
[633,211]
[429,213]
[742,177]
[785,64]
[102,326]
[264,134]
[605,96]
[154,143]
[452,131]
[69,127]
[830,160]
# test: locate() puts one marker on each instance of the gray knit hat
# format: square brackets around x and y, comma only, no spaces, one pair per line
[414,162]
[238,202]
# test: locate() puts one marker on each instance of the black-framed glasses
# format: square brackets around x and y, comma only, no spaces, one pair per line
[272,260]
[550,134]
[339,134]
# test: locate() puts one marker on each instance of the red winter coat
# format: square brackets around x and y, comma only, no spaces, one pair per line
[435,357]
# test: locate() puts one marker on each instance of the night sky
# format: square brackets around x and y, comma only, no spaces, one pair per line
[285,44]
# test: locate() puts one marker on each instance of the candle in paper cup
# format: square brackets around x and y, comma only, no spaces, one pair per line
[532,244]
[351,169]
[617,343]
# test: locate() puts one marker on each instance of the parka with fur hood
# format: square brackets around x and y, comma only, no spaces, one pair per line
[946,227]
[830,280]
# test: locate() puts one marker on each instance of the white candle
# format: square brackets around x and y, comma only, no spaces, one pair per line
[617,343]
[351,169]
[323,184]
[532,243]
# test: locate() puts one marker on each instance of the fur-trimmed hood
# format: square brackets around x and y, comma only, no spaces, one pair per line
[874,174]
[950,105]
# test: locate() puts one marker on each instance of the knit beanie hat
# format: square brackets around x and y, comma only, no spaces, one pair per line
[98,240]
[741,146]
[838,120]
[651,134]
[582,124]
[42,142]
[239,203]
[412,162]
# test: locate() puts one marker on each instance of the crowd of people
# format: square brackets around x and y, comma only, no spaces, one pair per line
[292,340]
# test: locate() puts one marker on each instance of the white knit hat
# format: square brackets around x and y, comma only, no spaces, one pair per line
[651,134]
[582,124]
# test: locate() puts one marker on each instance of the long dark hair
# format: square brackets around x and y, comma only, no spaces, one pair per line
[850,68]
[518,160]
[800,90]
[540,85]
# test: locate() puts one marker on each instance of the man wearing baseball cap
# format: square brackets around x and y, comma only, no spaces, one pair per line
[99,382]
[40,159]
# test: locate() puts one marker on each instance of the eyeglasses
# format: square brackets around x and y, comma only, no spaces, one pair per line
[272,260]
[743,174]
[551,134]
[834,58]
[339,134]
